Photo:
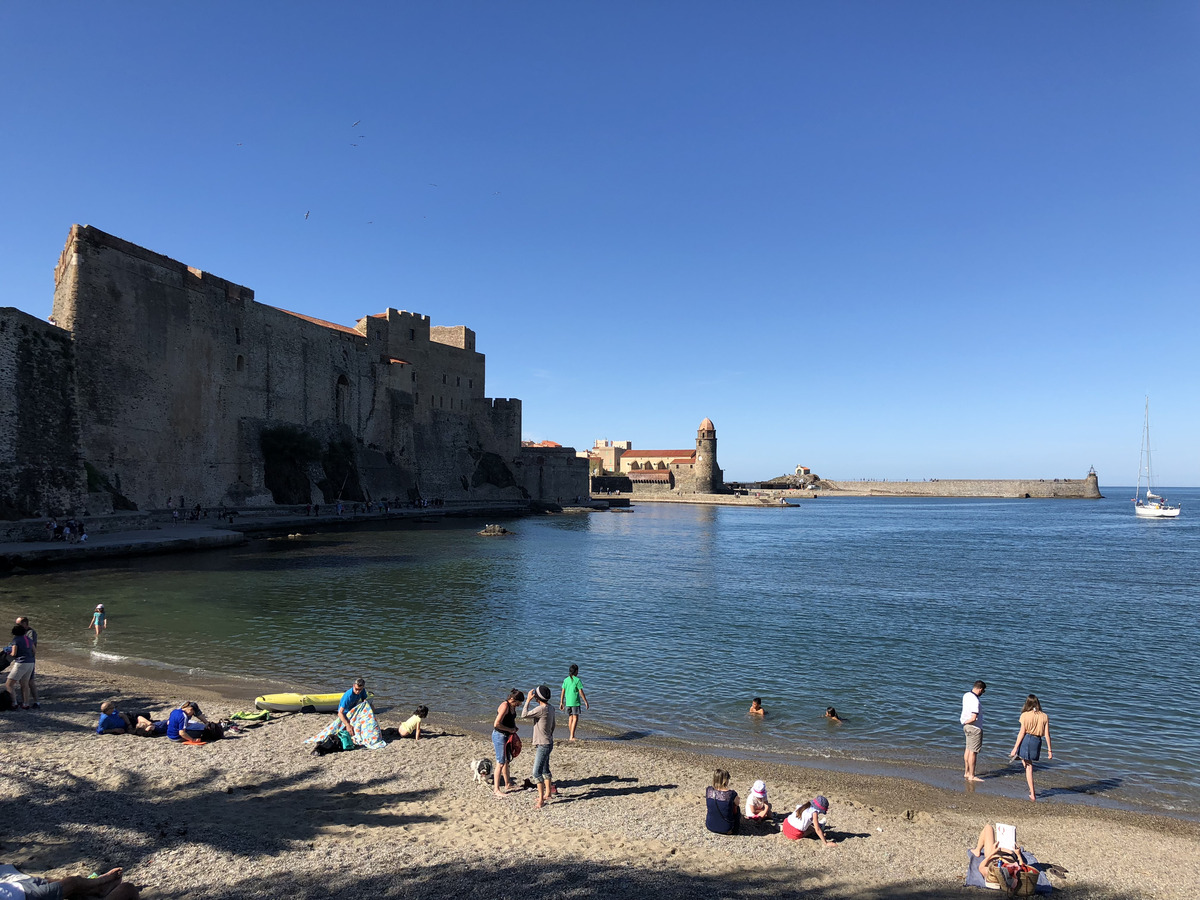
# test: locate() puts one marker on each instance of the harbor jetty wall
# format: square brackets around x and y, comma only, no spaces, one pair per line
[1044,488]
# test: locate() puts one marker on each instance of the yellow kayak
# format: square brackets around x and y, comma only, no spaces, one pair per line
[300,702]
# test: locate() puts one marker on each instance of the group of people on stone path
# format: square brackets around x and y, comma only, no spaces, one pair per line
[72,531]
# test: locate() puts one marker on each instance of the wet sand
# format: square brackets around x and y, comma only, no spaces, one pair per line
[256,815]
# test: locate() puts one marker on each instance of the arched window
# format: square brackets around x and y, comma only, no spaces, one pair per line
[341,400]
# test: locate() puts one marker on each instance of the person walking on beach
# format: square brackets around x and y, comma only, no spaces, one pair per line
[972,725]
[32,635]
[503,728]
[572,692]
[21,651]
[543,740]
[1035,725]
[99,619]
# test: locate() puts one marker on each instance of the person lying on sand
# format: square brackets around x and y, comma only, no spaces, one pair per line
[15,884]
[114,721]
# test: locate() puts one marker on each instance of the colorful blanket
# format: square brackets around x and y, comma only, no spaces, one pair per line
[366,728]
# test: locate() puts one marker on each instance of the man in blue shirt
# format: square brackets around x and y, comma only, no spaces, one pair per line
[183,722]
[351,699]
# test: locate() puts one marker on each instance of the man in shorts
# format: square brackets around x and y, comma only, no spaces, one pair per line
[972,725]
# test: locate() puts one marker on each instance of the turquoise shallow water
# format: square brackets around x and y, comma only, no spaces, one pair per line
[677,616]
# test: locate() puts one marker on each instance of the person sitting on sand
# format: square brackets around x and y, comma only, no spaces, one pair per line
[15,884]
[756,707]
[831,714]
[757,807]
[723,815]
[805,821]
[411,727]
[186,722]
[356,695]
[114,721]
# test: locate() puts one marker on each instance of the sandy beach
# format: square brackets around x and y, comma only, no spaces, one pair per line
[257,816]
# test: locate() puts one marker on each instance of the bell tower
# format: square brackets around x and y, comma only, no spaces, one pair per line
[709,479]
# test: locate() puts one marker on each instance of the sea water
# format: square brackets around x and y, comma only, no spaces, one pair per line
[677,615]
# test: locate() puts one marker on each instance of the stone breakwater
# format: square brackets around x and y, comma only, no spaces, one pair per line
[1047,488]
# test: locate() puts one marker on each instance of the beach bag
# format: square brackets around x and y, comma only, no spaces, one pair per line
[347,742]
[513,747]
[1014,878]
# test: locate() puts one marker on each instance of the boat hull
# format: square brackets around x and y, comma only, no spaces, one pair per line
[1157,512]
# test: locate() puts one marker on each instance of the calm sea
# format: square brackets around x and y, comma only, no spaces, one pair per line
[678,615]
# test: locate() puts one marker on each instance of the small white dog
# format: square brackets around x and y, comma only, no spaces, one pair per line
[481,771]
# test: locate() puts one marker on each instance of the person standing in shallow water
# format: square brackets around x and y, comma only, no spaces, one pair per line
[572,692]
[1035,725]
[972,725]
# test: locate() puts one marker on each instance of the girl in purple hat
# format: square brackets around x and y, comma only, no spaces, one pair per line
[805,821]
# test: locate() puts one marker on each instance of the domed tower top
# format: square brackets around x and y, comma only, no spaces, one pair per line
[707,429]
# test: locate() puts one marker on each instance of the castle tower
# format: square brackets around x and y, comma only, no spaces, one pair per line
[709,479]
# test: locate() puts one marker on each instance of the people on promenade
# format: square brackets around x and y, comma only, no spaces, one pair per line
[186,722]
[17,679]
[109,886]
[972,725]
[503,729]
[99,619]
[1035,726]
[356,695]
[756,707]
[411,727]
[572,693]
[757,807]
[543,740]
[723,813]
[805,821]
[33,639]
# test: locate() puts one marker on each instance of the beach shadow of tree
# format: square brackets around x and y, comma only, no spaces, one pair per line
[263,818]
[575,879]
[593,788]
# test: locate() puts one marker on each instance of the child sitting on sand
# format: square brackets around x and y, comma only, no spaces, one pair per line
[756,707]
[411,727]
[805,821]
[757,807]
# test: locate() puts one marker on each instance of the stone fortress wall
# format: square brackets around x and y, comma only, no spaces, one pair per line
[1067,488]
[40,456]
[186,386]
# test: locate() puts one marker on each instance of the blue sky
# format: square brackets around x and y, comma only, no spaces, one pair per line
[899,240]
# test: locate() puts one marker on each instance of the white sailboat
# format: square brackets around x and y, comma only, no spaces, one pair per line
[1151,506]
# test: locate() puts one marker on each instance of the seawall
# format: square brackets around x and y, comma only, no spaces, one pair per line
[1043,488]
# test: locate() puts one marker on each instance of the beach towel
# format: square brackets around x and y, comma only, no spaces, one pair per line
[257,716]
[974,879]
[366,728]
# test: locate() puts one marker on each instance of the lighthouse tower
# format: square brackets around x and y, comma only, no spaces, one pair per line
[709,479]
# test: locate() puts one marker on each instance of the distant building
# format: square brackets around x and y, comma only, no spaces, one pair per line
[650,471]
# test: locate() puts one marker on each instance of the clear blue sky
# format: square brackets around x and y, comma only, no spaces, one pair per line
[886,239]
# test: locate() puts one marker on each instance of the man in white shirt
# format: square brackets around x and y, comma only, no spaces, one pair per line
[972,724]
